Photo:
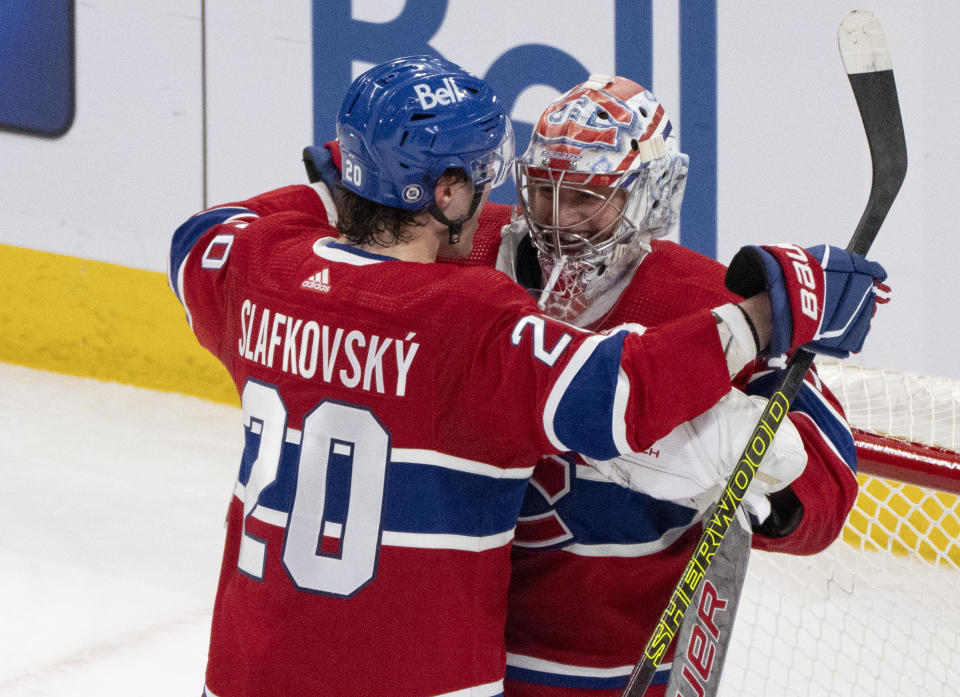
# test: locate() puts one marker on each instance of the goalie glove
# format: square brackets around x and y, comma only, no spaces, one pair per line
[691,464]
[822,298]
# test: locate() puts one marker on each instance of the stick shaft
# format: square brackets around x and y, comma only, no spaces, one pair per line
[719,522]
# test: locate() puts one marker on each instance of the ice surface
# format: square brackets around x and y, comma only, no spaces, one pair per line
[113,505]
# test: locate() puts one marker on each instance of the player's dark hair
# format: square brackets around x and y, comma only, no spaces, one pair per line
[363,221]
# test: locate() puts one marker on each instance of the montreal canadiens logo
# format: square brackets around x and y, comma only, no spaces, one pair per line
[580,120]
[412,193]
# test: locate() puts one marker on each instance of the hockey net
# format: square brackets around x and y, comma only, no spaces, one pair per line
[878,612]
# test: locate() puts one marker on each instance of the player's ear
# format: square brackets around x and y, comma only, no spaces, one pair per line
[445,191]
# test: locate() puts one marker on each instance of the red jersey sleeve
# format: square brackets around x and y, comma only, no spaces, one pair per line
[827,488]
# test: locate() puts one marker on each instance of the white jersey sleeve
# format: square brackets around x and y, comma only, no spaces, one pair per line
[695,458]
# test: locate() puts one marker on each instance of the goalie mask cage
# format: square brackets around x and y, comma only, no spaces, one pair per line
[878,612]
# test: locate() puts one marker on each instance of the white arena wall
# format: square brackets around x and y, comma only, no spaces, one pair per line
[181,104]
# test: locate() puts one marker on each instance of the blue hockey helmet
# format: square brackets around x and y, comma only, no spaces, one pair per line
[404,122]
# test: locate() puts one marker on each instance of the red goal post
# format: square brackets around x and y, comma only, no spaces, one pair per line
[905,425]
[907,460]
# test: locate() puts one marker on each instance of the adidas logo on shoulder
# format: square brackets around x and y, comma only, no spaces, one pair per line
[319,281]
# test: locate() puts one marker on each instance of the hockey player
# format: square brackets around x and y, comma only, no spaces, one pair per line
[595,563]
[393,407]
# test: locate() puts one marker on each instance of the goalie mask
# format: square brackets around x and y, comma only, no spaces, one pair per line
[602,175]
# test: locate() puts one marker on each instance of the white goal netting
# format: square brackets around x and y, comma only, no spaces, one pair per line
[878,613]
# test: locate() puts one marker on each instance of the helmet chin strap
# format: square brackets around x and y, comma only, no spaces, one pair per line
[454,227]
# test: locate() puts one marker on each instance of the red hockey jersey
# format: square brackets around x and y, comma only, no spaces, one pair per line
[392,415]
[595,564]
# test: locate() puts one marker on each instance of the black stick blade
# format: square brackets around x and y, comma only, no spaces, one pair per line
[863,48]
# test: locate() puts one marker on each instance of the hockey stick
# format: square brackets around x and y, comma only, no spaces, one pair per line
[863,49]
[705,632]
